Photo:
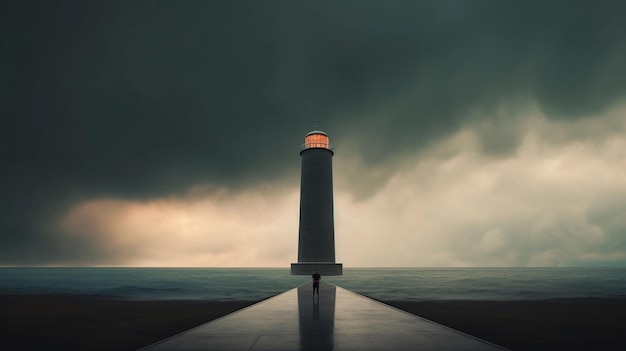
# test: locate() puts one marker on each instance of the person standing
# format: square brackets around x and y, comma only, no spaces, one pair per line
[316,277]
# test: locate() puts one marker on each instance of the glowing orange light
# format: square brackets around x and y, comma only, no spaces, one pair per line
[317,141]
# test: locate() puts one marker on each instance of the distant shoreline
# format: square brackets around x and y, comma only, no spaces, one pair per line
[77,322]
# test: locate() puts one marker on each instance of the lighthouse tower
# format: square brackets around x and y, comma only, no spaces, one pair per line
[316,244]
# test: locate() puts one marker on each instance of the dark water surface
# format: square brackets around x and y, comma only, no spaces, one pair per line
[419,284]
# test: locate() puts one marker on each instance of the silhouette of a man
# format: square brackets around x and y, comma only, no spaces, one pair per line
[316,277]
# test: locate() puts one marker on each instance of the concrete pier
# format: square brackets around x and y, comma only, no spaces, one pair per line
[338,320]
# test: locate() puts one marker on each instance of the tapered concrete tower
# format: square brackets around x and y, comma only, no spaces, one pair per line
[316,244]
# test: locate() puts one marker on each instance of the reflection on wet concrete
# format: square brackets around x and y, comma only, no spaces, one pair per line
[316,316]
[338,320]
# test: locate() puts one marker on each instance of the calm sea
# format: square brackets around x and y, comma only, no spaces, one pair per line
[379,283]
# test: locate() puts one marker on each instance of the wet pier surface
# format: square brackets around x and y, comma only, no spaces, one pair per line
[336,320]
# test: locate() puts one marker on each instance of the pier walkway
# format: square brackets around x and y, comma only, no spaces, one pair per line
[338,320]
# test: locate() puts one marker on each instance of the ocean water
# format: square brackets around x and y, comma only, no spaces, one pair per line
[380,283]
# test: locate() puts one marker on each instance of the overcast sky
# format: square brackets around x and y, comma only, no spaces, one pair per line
[167,133]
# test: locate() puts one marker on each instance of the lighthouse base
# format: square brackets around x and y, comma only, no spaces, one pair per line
[323,268]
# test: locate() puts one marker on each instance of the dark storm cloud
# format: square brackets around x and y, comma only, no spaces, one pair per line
[146,98]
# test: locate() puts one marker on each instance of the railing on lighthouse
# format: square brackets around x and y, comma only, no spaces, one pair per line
[317,140]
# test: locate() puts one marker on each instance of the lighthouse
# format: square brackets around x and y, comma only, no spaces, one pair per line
[316,234]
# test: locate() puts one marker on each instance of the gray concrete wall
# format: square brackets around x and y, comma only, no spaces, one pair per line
[317,230]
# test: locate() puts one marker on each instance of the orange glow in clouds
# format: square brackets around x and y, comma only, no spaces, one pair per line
[220,230]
